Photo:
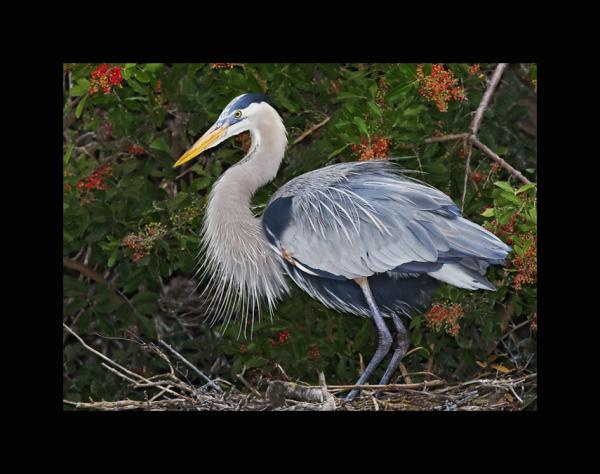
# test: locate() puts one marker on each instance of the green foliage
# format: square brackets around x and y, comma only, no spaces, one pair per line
[141,126]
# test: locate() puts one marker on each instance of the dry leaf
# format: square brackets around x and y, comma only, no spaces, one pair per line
[501,368]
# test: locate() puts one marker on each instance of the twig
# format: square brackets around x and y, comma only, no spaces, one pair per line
[84,270]
[405,373]
[471,137]
[248,385]
[466,181]
[132,404]
[392,386]
[115,364]
[475,141]
[192,366]
[310,130]
[485,100]
[447,138]
[94,275]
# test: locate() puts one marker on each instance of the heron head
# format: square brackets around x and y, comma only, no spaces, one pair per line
[238,116]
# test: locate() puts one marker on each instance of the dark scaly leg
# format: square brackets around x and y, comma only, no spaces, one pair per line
[385,338]
[402,341]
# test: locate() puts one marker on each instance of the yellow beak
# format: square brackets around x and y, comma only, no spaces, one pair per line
[205,141]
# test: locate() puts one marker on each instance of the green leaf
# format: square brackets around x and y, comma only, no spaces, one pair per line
[147,325]
[373,89]
[255,362]
[338,151]
[136,86]
[68,154]
[160,144]
[80,106]
[142,76]
[525,187]
[348,95]
[80,89]
[504,185]
[145,302]
[416,110]
[510,197]
[201,183]
[375,108]
[488,212]
[113,257]
[362,125]
[533,214]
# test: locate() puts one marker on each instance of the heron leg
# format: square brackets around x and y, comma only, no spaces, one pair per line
[385,338]
[402,341]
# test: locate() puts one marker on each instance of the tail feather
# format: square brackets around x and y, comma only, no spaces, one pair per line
[462,277]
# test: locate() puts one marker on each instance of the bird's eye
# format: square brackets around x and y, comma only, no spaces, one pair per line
[237,114]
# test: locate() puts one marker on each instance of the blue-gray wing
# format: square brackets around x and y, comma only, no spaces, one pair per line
[358,219]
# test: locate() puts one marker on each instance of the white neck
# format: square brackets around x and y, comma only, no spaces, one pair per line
[236,249]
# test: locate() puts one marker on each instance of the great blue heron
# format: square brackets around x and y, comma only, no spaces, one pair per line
[359,237]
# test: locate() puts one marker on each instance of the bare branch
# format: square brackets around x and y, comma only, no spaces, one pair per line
[475,141]
[310,130]
[485,100]
[192,366]
[447,138]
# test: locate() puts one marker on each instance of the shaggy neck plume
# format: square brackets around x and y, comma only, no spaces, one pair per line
[244,270]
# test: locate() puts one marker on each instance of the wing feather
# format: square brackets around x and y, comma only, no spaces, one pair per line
[362,218]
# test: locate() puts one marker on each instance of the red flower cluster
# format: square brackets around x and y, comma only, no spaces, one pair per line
[527,266]
[439,86]
[474,69]
[534,322]
[142,242]
[313,352]
[243,348]
[476,176]
[445,317]
[505,231]
[282,337]
[96,179]
[377,147]
[103,77]
[136,150]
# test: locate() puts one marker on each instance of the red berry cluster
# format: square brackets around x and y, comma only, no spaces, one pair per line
[96,180]
[103,77]
[476,176]
[445,317]
[281,338]
[141,243]
[526,264]
[313,352]
[439,86]
[377,147]
[474,69]
[505,231]
[243,348]
[136,150]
